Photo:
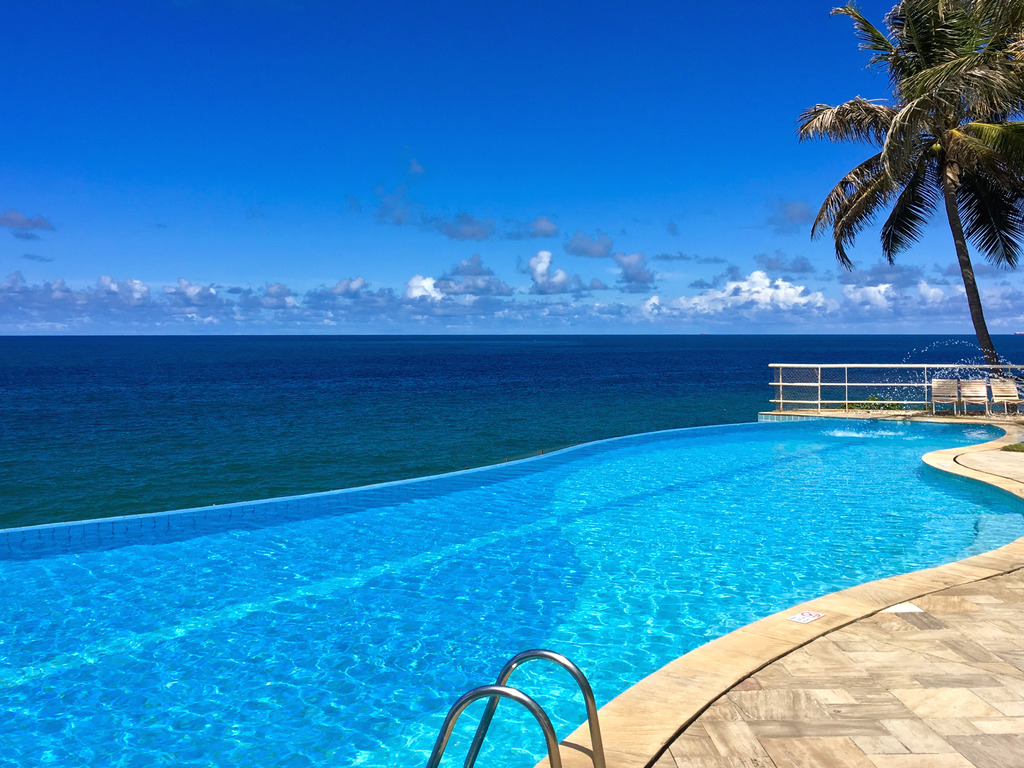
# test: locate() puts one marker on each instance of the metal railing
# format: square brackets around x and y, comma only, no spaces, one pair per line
[499,690]
[869,386]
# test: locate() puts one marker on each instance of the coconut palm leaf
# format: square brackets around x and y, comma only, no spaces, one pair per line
[859,210]
[910,213]
[993,217]
[855,120]
[838,199]
[871,38]
[1004,139]
[903,141]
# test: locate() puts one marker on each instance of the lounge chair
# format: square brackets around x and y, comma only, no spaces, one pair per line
[974,392]
[944,392]
[1005,392]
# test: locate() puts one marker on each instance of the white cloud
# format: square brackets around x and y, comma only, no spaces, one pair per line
[130,292]
[929,293]
[188,294]
[544,280]
[755,293]
[420,286]
[877,296]
[350,287]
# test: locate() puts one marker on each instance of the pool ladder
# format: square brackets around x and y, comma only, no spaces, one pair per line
[500,691]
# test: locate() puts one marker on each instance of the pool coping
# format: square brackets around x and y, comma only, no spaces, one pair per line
[639,724]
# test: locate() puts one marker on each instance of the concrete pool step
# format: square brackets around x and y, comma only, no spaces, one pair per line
[937,683]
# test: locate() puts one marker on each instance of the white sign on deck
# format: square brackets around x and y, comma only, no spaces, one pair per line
[806,617]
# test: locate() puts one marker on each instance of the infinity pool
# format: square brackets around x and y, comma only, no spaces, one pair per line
[336,629]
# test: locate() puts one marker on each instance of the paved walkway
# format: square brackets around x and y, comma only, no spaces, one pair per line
[938,683]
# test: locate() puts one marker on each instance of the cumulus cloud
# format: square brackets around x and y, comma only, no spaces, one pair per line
[187,295]
[594,247]
[929,293]
[17,220]
[873,296]
[422,287]
[780,263]
[463,227]
[471,278]
[754,294]
[275,296]
[22,234]
[36,257]
[789,216]
[547,281]
[349,287]
[635,275]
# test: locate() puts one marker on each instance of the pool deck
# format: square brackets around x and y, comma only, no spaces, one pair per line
[922,670]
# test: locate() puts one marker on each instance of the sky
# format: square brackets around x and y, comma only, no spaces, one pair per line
[313,166]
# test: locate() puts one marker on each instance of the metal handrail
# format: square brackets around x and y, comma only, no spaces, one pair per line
[885,365]
[581,680]
[817,393]
[495,692]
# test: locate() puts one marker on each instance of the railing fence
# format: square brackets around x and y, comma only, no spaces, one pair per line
[871,386]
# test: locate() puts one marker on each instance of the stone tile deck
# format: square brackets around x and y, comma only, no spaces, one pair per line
[936,682]
[940,685]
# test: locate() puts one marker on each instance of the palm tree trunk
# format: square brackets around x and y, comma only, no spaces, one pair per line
[950,180]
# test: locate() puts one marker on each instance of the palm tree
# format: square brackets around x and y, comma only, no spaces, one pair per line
[956,70]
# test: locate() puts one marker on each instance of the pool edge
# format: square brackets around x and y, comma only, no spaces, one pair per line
[640,723]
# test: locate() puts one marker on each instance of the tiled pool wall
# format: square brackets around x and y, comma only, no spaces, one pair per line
[163,527]
[772,417]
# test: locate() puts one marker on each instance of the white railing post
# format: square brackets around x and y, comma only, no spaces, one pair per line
[846,392]
[819,389]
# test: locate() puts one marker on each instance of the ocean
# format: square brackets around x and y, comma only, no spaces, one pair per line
[101,426]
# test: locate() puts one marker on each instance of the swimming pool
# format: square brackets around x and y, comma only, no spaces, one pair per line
[337,629]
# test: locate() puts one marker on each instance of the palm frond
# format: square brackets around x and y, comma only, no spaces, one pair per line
[1005,140]
[855,120]
[993,217]
[903,143]
[871,38]
[839,197]
[853,204]
[911,212]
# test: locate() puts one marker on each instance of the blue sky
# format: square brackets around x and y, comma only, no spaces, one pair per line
[279,166]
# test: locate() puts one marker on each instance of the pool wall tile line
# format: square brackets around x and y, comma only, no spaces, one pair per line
[639,724]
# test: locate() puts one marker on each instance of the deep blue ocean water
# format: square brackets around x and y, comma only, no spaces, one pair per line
[102,426]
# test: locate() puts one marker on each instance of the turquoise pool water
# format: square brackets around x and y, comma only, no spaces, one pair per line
[336,629]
